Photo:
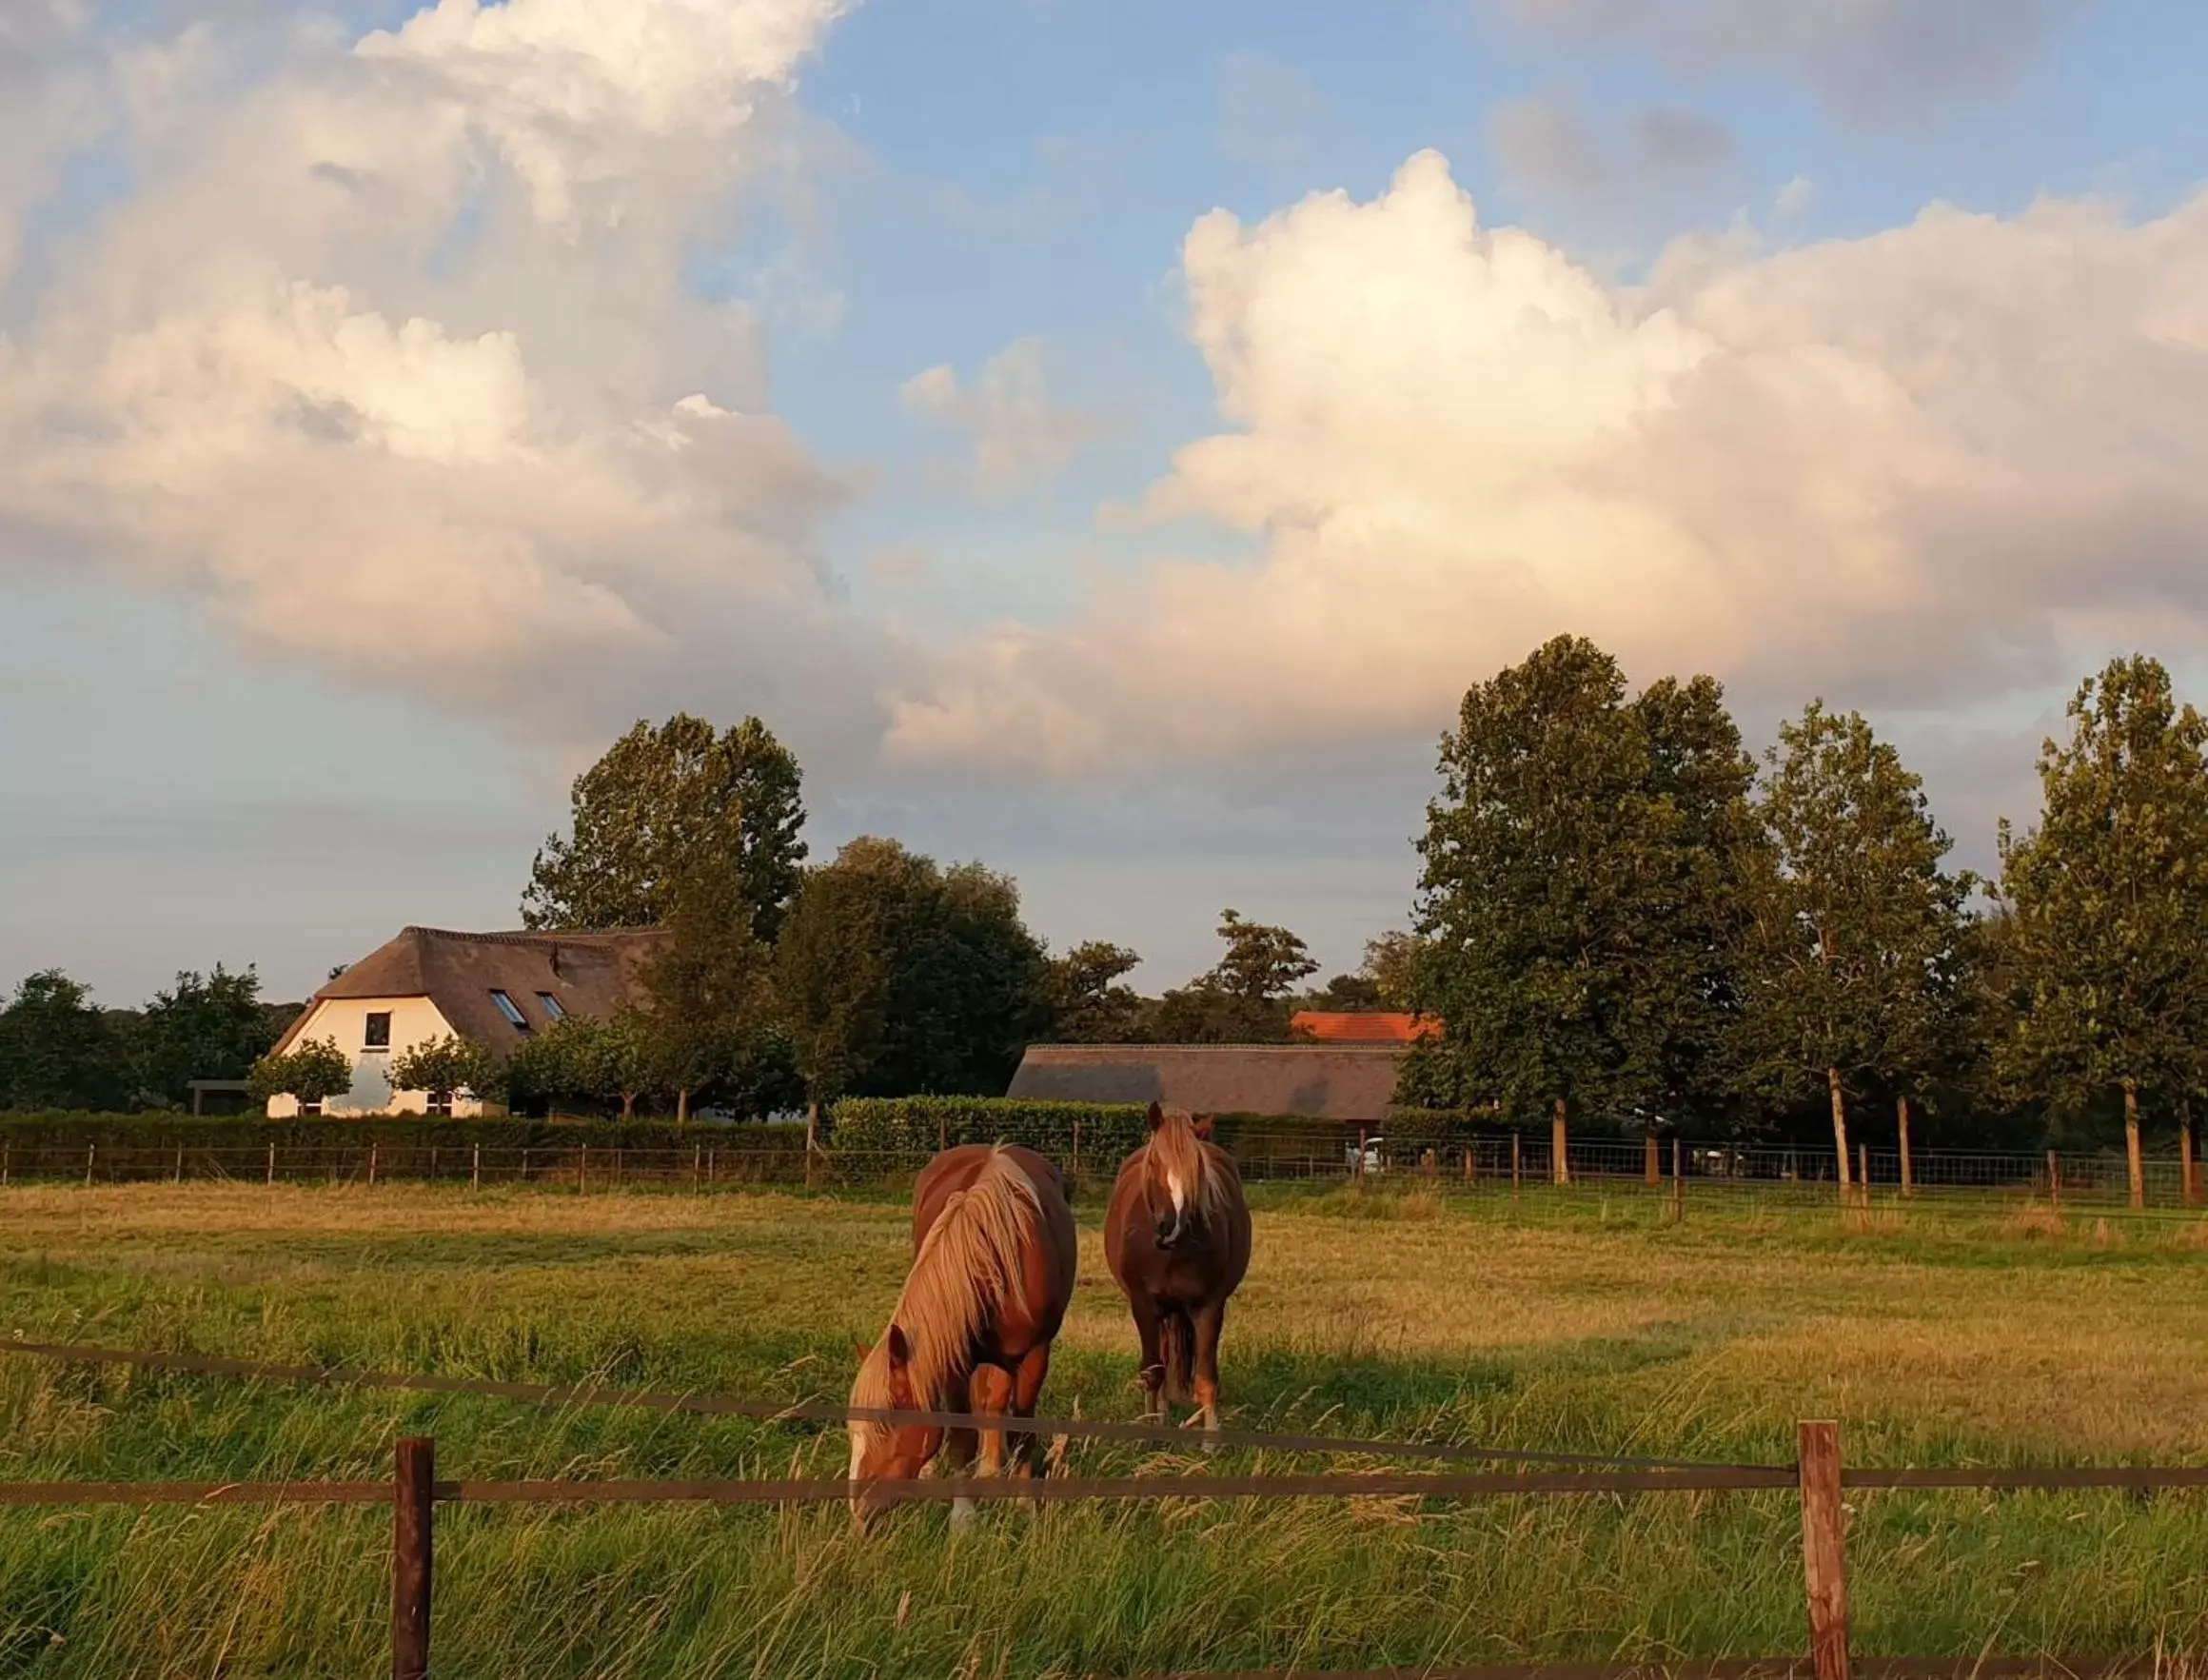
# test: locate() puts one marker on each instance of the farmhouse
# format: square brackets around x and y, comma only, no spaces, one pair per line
[1352,1083]
[430,983]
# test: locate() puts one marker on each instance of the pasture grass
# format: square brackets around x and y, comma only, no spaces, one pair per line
[1582,1321]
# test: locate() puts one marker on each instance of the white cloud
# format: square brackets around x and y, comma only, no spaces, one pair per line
[1872,60]
[1902,468]
[390,359]
[1795,197]
[1019,435]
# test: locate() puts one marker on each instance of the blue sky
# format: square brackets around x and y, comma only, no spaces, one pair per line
[1135,553]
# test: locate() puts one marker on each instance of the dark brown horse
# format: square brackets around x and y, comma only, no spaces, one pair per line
[1176,1235]
[993,1271]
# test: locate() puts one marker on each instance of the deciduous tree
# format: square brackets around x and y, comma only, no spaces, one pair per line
[212,1026]
[1852,962]
[449,1067]
[312,1071]
[667,803]
[1569,953]
[1244,999]
[897,977]
[2109,904]
[1088,1003]
[56,1049]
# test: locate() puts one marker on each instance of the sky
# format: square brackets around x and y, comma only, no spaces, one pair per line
[1104,438]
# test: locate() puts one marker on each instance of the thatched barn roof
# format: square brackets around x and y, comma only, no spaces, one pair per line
[1324,1081]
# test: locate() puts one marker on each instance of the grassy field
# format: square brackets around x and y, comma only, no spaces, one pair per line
[1579,1322]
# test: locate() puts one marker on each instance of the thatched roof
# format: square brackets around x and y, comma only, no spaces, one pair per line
[1326,1081]
[591,974]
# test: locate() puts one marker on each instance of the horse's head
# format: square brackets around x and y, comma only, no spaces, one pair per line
[887,1451]
[1175,1174]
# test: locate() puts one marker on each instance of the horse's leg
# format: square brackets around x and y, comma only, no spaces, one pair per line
[1148,1327]
[1027,1393]
[956,1459]
[1208,1320]
[992,1392]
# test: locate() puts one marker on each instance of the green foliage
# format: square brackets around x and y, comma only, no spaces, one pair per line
[1392,965]
[1088,1005]
[2108,903]
[57,1049]
[1855,953]
[1245,999]
[449,1067]
[712,1029]
[1571,895]
[212,1026]
[592,1062]
[917,1125]
[313,1070]
[668,803]
[896,976]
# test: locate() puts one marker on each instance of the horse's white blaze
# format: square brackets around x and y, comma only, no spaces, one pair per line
[858,1451]
[1180,1193]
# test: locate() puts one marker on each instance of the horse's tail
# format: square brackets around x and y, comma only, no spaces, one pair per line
[1177,1347]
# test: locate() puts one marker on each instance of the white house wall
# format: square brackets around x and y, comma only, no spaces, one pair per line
[414,1021]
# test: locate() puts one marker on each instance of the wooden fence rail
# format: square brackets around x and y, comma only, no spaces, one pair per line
[414,1492]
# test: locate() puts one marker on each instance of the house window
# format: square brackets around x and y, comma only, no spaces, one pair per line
[310,1108]
[440,1103]
[553,1007]
[512,1011]
[379,1032]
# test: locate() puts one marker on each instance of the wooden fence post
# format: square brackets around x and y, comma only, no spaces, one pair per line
[475,1169]
[1075,1170]
[413,1503]
[1358,1171]
[1678,1186]
[2053,1181]
[2,1166]
[1472,1170]
[524,1163]
[1825,1549]
[371,1166]
[582,1173]
[1514,1165]
[1863,1173]
[1652,1168]
[272,1163]
[91,1151]
[696,1168]
[713,1166]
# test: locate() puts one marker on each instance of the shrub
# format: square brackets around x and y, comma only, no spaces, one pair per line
[314,1070]
[919,1125]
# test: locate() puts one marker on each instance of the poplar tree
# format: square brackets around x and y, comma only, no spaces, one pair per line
[2107,898]
[1856,929]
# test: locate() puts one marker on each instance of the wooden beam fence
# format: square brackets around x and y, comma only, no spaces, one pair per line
[414,1493]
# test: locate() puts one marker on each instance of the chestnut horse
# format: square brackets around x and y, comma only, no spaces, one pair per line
[1176,1235]
[993,1273]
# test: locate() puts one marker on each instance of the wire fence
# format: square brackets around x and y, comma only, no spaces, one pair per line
[415,1492]
[1672,1168]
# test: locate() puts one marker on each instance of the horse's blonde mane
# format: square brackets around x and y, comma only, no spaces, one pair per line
[969,1262]
[1175,1151]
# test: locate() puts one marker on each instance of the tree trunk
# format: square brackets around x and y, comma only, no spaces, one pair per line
[1839,1127]
[1651,1169]
[1908,1171]
[2131,1144]
[1559,1154]
[2185,1166]
[628,1106]
[682,1105]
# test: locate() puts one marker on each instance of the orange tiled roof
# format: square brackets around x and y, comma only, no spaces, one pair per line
[1362,1026]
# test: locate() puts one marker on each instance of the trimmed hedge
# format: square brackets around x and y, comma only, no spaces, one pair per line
[919,1125]
[172,1131]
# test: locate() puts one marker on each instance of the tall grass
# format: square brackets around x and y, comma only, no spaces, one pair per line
[1583,1323]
